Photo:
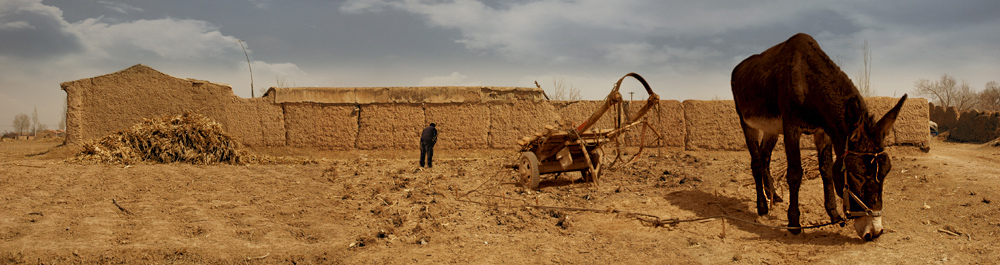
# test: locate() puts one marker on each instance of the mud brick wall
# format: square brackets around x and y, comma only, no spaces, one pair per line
[321,125]
[460,125]
[509,121]
[253,121]
[392,118]
[670,125]
[945,117]
[576,112]
[712,125]
[109,103]
[911,126]
[970,126]
[976,126]
[390,126]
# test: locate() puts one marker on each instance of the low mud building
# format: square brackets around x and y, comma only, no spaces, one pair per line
[391,118]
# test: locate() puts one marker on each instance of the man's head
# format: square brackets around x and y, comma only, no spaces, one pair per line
[433,125]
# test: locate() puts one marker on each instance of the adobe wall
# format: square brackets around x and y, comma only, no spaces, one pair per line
[911,126]
[461,125]
[970,126]
[670,126]
[390,126]
[509,121]
[945,117]
[976,126]
[105,104]
[715,125]
[326,126]
[391,118]
[712,125]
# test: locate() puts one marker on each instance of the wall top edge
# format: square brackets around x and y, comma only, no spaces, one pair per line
[370,95]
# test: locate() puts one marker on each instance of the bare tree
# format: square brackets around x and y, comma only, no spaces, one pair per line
[864,77]
[947,92]
[62,122]
[21,123]
[34,122]
[966,97]
[574,93]
[989,98]
[562,92]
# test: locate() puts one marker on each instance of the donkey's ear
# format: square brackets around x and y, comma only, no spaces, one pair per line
[885,124]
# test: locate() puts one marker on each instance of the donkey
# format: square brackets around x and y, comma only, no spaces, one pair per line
[792,89]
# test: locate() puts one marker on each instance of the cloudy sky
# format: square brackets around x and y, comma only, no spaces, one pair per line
[685,49]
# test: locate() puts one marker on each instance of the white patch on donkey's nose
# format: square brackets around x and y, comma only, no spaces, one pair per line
[868,227]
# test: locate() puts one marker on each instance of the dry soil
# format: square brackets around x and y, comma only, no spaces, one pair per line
[380,207]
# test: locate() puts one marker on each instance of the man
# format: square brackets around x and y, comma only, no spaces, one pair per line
[427,140]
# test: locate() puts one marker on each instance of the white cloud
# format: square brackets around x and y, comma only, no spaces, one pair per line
[15,25]
[261,4]
[454,79]
[361,6]
[29,6]
[120,7]
[630,32]
[168,38]
[184,48]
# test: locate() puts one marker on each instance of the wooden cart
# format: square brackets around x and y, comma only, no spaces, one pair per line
[568,149]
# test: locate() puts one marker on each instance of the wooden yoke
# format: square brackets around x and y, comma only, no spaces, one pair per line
[615,97]
[650,102]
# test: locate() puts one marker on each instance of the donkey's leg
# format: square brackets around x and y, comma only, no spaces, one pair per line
[824,149]
[794,177]
[768,143]
[756,166]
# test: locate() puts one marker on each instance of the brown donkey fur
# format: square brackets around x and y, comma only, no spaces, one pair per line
[792,89]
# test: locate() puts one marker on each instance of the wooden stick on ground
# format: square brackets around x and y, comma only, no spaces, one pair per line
[126,211]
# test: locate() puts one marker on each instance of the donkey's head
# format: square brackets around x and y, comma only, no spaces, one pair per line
[865,166]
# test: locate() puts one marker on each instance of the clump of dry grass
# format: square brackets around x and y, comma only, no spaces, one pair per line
[188,138]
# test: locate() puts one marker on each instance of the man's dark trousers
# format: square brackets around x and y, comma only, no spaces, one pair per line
[427,150]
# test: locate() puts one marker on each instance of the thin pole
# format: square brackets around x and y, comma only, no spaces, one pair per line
[248,66]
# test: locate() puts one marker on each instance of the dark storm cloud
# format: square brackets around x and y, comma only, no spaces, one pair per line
[686,49]
[30,32]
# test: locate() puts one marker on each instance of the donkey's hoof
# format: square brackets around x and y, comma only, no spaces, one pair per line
[762,208]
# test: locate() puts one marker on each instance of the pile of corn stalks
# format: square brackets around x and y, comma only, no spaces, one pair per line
[188,138]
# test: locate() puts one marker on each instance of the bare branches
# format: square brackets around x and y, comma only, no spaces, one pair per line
[21,123]
[947,92]
[562,92]
[989,99]
[864,77]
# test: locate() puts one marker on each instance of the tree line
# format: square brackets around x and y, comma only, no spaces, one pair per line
[948,92]
[25,125]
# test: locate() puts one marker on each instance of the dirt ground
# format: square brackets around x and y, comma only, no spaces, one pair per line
[380,207]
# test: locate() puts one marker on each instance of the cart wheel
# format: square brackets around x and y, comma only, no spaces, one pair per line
[529,170]
[595,158]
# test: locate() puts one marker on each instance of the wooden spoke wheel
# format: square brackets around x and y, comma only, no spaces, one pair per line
[528,168]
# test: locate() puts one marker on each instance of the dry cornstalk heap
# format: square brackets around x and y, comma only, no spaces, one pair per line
[187,138]
[564,148]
